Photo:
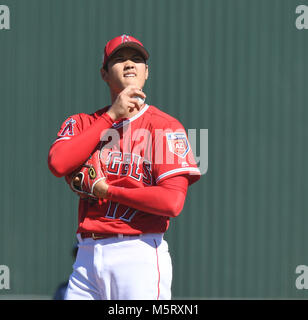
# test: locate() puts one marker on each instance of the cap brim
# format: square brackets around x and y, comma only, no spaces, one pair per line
[133,45]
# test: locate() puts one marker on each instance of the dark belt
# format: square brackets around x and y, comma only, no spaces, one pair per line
[96,236]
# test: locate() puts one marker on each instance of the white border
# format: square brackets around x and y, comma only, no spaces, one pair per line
[168,173]
[64,138]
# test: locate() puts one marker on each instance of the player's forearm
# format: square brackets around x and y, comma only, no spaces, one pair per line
[164,200]
[155,200]
[67,155]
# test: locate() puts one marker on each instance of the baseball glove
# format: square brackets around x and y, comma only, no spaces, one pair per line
[84,179]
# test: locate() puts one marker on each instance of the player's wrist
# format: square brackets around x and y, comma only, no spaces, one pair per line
[112,115]
[101,189]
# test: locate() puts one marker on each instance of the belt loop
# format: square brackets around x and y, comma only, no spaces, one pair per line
[120,235]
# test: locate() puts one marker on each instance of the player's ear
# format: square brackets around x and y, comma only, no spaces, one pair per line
[146,72]
[104,74]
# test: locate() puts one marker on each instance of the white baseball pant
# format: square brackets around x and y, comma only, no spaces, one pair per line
[127,268]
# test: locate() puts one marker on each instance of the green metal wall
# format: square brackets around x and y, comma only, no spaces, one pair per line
[235,67]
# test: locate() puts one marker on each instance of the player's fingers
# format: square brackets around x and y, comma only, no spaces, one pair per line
[135,91]
[77,181]
[136,102]
[129,90]
[138,93]
[133,104]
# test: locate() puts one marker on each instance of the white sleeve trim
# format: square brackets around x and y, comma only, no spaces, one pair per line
[64,138]
[179,170]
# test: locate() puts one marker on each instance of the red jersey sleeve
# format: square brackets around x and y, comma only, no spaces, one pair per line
[173,155]
[155,199]
[79,135]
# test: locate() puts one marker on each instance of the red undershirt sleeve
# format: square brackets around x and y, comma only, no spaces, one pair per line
[67,155]
[166,199]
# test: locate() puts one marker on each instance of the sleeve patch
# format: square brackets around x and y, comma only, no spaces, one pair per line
[69,128]
[178,143]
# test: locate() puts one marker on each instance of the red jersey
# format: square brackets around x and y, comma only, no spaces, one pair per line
[137,152]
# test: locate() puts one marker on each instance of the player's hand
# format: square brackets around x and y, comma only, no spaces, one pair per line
[126,102]
[77,182]
[83,180]
[101,189]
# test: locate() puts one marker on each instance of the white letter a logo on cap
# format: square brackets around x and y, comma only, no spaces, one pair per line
[125,38]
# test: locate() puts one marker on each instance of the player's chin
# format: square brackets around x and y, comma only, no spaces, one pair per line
[133,81]
[129,81]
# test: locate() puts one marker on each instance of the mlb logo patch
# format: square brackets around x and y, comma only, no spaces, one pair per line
[178,143]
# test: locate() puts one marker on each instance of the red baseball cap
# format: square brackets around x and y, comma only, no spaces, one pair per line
[122,41]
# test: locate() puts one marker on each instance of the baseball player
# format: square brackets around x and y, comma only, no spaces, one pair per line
[130,164]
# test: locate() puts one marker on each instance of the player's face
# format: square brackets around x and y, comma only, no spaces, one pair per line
[126,67]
